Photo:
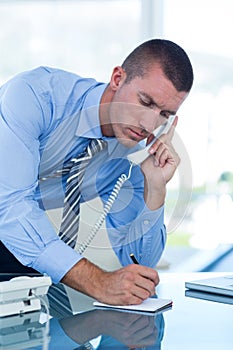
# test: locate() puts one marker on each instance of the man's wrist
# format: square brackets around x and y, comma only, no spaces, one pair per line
[154,199]
[85,277]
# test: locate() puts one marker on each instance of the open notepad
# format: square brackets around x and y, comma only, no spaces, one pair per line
[150,305]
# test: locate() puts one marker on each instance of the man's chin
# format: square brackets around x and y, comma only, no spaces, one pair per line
[127,142]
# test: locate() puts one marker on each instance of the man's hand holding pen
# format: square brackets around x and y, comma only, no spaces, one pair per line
[129,285]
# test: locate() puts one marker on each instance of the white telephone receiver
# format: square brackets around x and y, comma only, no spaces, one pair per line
[139,156]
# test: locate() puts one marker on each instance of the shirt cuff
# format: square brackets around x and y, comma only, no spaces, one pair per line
[147,220]
[152,215]
[56,260]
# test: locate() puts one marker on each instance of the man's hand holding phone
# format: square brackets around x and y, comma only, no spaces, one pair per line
[159,167]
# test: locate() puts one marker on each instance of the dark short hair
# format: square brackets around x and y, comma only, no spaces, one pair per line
[171,57]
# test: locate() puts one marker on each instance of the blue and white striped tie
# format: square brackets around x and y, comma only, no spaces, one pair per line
[71,212]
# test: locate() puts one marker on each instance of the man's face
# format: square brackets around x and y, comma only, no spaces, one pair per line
[143,104]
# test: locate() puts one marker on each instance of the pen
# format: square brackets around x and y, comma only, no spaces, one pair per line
[133,258]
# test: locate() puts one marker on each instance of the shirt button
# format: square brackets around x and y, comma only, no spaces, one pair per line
[146,222]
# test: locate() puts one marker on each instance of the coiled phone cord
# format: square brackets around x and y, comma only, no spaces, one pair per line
[107,207]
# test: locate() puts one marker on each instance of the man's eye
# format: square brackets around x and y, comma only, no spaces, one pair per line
[145,103]
[165,114]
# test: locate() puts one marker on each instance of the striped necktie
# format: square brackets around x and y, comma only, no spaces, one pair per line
[71,212]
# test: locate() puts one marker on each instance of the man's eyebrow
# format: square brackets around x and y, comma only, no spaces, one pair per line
[152,101]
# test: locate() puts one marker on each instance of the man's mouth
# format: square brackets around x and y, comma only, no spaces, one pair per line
[137,135]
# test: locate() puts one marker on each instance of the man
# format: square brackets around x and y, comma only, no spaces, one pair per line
[48,116]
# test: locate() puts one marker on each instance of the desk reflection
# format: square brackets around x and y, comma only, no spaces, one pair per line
[105,329]
[117,329]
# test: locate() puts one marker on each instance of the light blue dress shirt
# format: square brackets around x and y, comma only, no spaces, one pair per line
[47,116]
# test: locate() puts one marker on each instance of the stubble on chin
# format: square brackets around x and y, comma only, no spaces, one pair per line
[121,135]
[129,143]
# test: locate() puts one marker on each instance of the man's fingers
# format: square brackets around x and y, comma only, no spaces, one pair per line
[145,282]
[132,284]
[144,288]
[149,273]
[150,139]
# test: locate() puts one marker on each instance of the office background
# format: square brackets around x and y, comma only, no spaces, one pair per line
[90,37]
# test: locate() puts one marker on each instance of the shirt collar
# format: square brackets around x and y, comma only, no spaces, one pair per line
[89,124]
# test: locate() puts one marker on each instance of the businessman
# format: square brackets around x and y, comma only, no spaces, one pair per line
[48,118]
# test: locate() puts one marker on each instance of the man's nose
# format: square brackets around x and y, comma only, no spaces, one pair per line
[151,120]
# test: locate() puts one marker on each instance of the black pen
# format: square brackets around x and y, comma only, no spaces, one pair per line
[134,260]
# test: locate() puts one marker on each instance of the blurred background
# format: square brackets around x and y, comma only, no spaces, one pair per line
[90,37]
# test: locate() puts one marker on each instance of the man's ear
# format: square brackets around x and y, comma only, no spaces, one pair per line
[117,78]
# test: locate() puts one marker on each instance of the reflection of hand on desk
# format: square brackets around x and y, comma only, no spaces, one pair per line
[130,329]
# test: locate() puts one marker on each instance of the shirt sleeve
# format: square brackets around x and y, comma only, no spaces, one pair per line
[24,227]
[133,227]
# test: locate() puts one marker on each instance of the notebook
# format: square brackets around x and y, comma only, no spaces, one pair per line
[150,305]
[218,285]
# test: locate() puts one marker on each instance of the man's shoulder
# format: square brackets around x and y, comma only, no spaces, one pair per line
[50,74]
[44,79]
[45,72]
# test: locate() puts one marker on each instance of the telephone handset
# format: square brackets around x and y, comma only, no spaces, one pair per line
[139,156]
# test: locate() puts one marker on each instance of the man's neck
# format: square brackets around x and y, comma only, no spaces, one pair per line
[105,123]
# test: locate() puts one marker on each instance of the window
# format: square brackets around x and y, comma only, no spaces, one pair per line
[90,37]
[204,30]
[86,37]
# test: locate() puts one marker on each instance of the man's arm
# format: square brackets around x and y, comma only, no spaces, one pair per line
[25,228]
[136,223]
[129,285]
[132,227]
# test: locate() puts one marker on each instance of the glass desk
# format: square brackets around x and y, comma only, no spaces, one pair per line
[191,323]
